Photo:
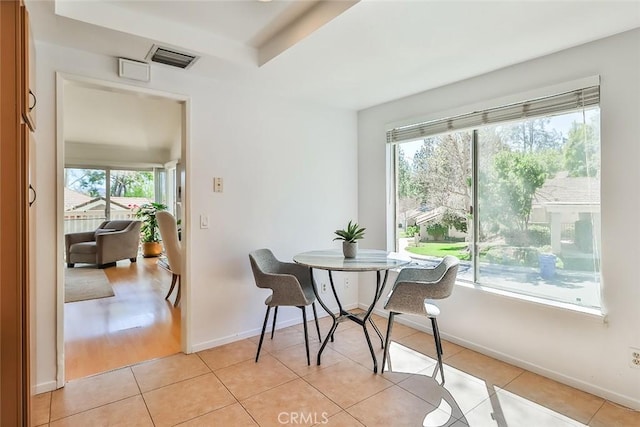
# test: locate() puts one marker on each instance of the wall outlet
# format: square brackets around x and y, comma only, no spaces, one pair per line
[634,357]
[323,288]
[347,283]
[217,185]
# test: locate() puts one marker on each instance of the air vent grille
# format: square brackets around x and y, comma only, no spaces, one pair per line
[171,57]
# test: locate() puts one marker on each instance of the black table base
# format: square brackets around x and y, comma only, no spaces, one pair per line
[344,315]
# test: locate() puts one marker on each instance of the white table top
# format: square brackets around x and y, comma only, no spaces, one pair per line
[366,260]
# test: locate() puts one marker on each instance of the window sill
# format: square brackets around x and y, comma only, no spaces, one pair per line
[594,313]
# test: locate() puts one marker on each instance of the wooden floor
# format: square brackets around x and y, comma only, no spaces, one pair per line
[135,325]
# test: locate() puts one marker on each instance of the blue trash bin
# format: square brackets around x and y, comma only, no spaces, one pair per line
[547,264]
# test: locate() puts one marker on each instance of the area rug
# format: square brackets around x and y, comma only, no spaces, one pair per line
[81,284]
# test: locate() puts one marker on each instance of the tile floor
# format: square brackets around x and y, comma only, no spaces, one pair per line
[225,387]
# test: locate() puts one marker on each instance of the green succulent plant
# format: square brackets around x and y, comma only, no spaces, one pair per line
[352,233]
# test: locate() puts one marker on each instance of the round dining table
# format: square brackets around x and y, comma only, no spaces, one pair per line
[365,260]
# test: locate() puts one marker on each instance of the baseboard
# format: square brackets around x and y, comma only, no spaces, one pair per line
[611,395]
[256,331]
[45,387]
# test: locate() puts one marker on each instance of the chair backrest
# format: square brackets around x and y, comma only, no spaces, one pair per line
[263,262]
[280,277]
[447,269]
[118,224]
[414,285]
[169,234]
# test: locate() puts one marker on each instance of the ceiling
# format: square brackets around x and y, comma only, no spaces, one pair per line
[347,54]
[120,118]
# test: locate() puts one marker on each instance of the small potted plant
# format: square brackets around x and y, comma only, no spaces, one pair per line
[149,233]
[349,237]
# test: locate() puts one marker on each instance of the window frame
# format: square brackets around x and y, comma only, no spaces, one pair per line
[393,218]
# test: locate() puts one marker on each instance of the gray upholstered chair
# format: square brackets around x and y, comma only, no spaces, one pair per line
[172,249]
[111,242]
[291,286]
[412,293]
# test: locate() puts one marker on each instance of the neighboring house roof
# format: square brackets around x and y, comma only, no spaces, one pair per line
[130,202]
[565,190]
[74,198]
[117,203]
[431,216]
[416,212]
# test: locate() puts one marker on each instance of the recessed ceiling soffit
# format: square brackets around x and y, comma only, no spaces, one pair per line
[290,25]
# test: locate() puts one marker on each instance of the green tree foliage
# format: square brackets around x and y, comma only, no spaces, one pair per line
[132,184]
[443,172]
[581,152]
[510,192]
[405,185]
[455,220]
[531,135]
[421,167]
[123,183]
[89,181]
[438,230]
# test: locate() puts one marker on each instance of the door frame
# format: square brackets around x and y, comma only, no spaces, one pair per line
[185,101]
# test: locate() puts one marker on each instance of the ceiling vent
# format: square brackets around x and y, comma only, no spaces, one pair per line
[171,57]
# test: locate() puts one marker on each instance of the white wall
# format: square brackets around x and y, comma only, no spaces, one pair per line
[290,179]
[575,348]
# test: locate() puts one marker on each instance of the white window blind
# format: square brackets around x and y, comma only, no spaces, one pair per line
[544,106]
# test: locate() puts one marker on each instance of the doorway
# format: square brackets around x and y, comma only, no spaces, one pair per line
[119,147]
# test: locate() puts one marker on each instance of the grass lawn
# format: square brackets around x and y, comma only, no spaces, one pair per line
[457,249]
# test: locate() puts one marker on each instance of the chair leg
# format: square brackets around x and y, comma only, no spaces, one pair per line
[306,335]
[174,279]
[175,304]
[386,341]
[436,337]
[315,316]
[273,327]
[264,326]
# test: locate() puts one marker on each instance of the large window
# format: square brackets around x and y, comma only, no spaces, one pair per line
[517,201]
[92,195]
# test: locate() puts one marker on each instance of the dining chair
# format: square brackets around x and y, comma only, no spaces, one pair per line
[290,285]
[413,292]
[173,250]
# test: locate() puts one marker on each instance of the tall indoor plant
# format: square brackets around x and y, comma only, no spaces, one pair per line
[350,237]
[149,233]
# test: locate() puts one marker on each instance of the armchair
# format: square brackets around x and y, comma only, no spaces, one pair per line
[111,242]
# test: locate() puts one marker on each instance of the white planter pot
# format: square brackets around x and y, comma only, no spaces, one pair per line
[350,249]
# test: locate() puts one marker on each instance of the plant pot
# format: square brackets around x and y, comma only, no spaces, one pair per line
[151,249]
[350,249]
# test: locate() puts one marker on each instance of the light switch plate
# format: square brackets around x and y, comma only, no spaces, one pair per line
[204,221]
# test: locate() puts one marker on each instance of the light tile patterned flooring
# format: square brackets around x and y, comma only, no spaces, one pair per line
[225,387]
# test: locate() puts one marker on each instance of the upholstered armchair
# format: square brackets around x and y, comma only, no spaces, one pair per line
[111,242]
